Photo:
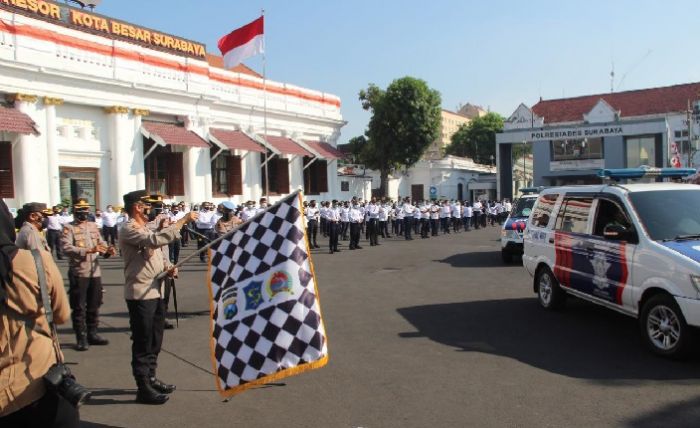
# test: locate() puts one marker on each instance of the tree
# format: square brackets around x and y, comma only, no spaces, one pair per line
[405,121]
[355,146]
[477,140]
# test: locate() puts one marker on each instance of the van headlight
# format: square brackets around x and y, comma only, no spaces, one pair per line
[695,280]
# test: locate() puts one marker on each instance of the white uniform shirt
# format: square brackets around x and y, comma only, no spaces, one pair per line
[372,211]
[311,213]
[445,211]
[399,212]
[408,210]
[425,212]
[356,215]
[344,214]
[65,219]
[477,206]
[205,220]
[98,222]
[508,206]
[109,219]
[248,212]
[456,211]
[333,214]
[434,211]
[467,211]
[174,218]
[383,213]
[53,222]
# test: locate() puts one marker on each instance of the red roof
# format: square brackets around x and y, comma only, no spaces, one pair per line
[236,140]
[642,102]
[218,62]
[325,150]
[173,134]
[13,120]
[286,146]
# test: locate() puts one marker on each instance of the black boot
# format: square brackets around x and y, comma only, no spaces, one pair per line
[146,394]
[162,387]
[81,341]
[95,339]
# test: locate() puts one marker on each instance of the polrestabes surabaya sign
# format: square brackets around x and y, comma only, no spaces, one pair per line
[97,24]
[564,133]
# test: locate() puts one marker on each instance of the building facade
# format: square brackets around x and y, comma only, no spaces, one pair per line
[449,124]
[572,138]
[95,107]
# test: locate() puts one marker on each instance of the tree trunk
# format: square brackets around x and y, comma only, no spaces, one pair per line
[383,183]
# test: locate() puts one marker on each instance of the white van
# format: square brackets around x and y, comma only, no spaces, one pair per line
[633,248]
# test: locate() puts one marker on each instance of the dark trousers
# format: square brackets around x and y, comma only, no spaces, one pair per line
[324,227]
[445,224]
[344,227]
[467,223]
[424,227]
[477,220]
[109,234]
[372,231]
[333,235]
[146,321]
[208,233]
[383,229]
[354,235]
[174,251]
[85,297]
[51,410]
[456,224]
[407,225]
[313,232]
[434,226]
[53,237]
[185,234]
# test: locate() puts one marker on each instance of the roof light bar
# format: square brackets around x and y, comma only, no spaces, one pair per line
[531,190]
[644,172]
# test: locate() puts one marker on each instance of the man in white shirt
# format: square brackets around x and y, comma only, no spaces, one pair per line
[445,215]
[249,211]
[382,219]
[174,216]
[323,218]
[344,220]
[333,218]
[456,216]
[311,212]
[356,217]
[408,212]
[109,225]
[477,211]
[372,212]
[205,226]
[434,209]
[54,228]
[424,219]
[467,216]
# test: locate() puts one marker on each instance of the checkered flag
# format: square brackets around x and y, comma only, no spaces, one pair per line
[265,314]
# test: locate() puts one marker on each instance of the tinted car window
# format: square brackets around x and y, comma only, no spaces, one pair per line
[573,215]
[668,214]
[543,209]
[609,213]
[522,207]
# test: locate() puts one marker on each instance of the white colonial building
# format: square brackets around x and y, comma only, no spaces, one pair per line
[95,107]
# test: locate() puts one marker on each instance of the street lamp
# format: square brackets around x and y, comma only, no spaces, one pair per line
[524,167]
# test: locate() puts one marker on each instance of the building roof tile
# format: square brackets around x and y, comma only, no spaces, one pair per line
[13,120]
[325,150]
[173,134]
[286,146]
[236,140]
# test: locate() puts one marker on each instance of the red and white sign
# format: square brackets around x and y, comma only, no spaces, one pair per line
[243,43]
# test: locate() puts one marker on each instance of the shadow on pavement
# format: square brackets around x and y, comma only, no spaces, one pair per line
[582,341]
[474,260]
[86,424]
[684,414]
[94,401]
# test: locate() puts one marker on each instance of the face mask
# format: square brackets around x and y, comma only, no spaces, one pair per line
[263,205]
[109,210]
[227,215]
[81,216]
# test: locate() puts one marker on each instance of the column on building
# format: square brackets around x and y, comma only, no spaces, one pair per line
[197,164]
[52,149]
[28,155]
[121,140]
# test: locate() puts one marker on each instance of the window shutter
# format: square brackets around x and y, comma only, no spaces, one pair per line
[176,177]
[7,186]
[322,176]
[234,175]
[282,176]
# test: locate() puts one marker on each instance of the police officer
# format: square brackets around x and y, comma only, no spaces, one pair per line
[205,226]
[356,217]
[29,236]
[312,216]
[333,219]
[144,259]
[82,243]
[228,220]
[372,214]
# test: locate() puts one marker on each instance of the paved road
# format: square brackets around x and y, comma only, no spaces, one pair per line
[424,333]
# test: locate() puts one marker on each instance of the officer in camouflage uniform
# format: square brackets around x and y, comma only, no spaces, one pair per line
[82,243]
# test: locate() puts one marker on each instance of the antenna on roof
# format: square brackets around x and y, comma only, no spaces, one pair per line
[612,78]
[635,65]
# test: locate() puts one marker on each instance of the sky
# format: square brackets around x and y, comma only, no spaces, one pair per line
[496,54]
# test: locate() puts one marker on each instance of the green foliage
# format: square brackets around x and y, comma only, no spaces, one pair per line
[405,121]
[477,140]
[356,145]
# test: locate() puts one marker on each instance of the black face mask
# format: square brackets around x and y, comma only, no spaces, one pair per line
[153,213]
[227,215]
[81,216]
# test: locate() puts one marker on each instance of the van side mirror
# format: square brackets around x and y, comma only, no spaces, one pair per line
[618,232]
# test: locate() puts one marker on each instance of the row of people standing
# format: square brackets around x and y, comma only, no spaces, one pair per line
[334,219]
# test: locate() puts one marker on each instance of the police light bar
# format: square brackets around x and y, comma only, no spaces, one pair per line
[531,190]
[644,172]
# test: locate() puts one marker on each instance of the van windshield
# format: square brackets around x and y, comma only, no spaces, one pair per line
[523,207]
[669,214]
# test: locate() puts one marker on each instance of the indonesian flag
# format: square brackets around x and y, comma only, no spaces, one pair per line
[243,43]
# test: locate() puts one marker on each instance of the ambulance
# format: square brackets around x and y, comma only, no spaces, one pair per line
[630,247]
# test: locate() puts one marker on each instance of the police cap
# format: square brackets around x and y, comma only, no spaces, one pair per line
[132,197]
[35,207]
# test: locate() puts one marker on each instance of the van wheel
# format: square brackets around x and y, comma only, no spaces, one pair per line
[663,327]
[506,257]
[549,293]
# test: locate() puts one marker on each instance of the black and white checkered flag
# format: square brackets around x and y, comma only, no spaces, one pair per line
[266,317]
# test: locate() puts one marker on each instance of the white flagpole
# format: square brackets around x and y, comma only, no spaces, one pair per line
[267,164]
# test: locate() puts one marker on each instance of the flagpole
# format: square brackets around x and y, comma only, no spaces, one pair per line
[264,64]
